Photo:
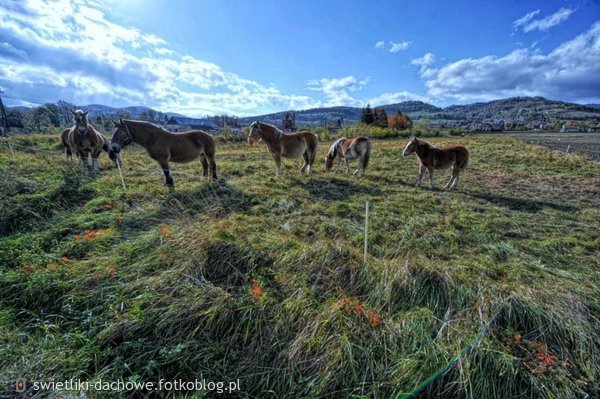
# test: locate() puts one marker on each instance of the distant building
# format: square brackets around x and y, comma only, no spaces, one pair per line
[181,124]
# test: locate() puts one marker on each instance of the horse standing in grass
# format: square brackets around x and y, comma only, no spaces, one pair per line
[164,146]
[64,137]
[290,145]
[84,139]
[358,147]
[431,158]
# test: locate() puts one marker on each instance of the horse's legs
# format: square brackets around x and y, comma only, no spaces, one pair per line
[421,173]
[95,156]
[277,159]
[339,162]
[305,156]
[212,167]
[430,177]
[453,178]
[165,167]
[84,159]
[204,163]
[347,166]
[361,166]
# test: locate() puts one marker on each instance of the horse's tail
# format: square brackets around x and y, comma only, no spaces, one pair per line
[367,155]
[465,161]
[312,148]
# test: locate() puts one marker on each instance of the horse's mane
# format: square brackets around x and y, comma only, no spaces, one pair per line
[147,124]
[275,129]
[333,148]
[424,143]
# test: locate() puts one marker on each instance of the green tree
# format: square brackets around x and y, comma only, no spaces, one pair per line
[380,118]
[367,117]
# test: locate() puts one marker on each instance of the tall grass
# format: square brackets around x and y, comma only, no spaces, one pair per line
[262,278]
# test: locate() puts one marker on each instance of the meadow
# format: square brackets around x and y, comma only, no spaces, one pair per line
[262,279]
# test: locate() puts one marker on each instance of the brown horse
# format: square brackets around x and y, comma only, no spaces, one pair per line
[84,139]
[291,145]
[358,147]
[164,146]
[64,137]
[431,158]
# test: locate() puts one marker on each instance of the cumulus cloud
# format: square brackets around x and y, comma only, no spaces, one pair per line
[425,61]
[72,50]
[337,90]
[395,47]
[380,44]
[571,71]
[529,24]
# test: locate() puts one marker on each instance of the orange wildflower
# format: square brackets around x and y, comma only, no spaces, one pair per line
[374,319]
[27,268]
[64,259]
[165,230]
[52,266]
[112,272]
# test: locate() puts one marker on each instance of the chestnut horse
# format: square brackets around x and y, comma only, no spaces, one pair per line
[290,145]
[357,147]
[164,146]
[84,139]
[64,137]
[431,158]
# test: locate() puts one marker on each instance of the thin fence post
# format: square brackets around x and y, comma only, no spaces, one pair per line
[121,174]
[568,148]
[12,152]
[366,229]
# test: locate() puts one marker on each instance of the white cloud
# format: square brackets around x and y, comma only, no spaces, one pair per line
[525,18]
[395,47]
[529,24]
[380,44]
[336,89]
[425,61]
[571,71]
[77,53]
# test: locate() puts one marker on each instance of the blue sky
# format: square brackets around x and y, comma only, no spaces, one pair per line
[252,57]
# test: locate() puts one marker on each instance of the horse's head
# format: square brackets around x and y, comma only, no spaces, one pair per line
[254,133]
[81,121]
[121,137]
[331,154]
[411,146]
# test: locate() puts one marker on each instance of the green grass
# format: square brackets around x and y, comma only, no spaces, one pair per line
[159,285]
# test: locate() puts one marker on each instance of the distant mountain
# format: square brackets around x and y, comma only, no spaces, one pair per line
[515,111]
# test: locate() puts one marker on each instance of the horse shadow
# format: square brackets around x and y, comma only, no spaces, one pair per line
[335,189]
[519,204]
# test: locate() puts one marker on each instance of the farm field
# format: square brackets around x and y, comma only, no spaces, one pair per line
[583,143]
[262,279]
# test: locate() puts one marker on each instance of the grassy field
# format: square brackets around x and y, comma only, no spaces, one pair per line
[262,279]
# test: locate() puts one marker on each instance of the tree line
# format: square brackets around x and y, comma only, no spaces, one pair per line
[51,117]
[378,117]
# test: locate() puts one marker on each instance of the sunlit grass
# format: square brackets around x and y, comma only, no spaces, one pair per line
[98,282]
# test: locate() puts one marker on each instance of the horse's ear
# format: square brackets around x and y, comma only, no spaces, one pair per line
[120,121]
[115,123]
[85,113]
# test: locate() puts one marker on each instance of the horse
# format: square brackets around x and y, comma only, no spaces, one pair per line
[358,147]
[64,138]
[432,158]
[164,146]
[84,139]
[290,145]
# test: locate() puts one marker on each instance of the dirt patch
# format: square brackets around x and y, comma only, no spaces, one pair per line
[587,144]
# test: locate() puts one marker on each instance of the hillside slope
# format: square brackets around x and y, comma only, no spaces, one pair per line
[261,279]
